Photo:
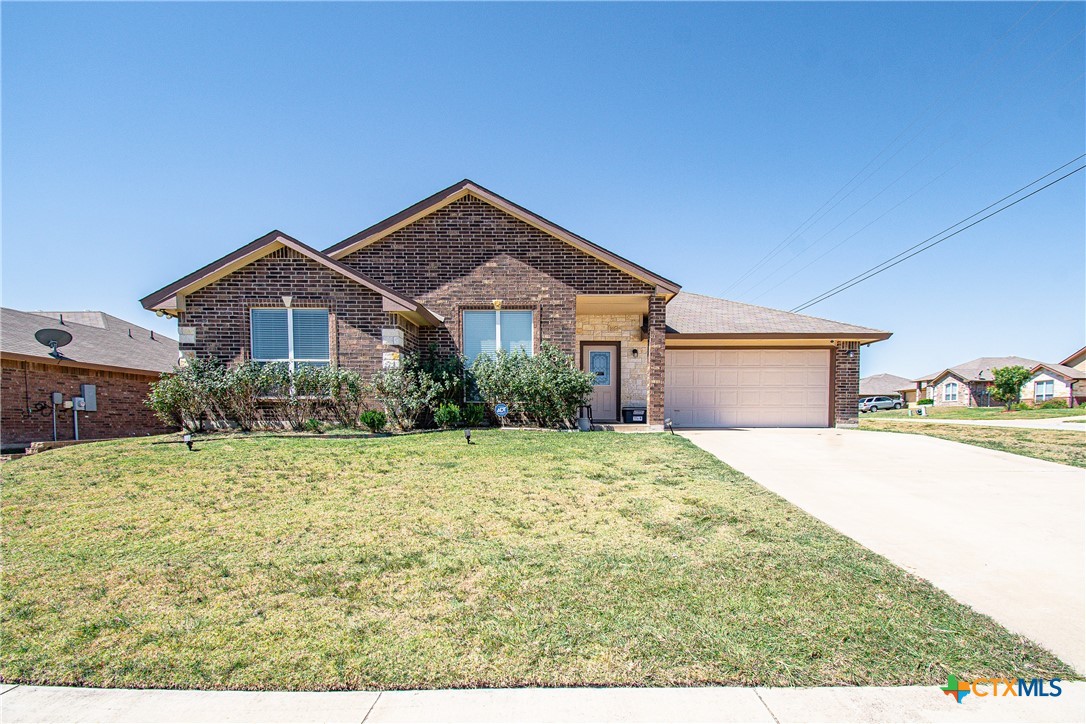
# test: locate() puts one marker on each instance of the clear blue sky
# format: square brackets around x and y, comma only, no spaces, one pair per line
[141,141]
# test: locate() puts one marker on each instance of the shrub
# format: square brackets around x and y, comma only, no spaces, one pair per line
[926,401]
[347,396]
[1052,404]
[545,389]
[447,415]
[313,425]
[411,391]
[373,420]
[1007,383]
[1023,406]
[239,391]
[188,395]
[473,415]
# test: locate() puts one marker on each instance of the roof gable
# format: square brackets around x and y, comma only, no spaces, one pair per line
[467,187]
[1075,359]
[166,298]
[980,369]
[1060,369]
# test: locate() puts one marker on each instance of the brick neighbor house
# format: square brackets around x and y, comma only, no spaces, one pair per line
[969,384]
[118,358]
[471,272]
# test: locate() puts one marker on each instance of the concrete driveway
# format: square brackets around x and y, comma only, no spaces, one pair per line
[1002,533]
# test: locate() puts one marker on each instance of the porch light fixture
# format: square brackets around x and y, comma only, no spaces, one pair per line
[633,353]
[497,304]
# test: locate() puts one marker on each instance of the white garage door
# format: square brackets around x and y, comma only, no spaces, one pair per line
[747,387]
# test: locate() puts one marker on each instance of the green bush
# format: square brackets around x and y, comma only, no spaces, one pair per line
[373,420]
[1052,405]
[313,425]
[473,415]
[544,389]
[412,391]
[926,401]
[447,415]
[188,396]
[347,396]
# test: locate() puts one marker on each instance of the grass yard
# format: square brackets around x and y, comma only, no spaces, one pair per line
[1059,446]
[981,413]
[528,558]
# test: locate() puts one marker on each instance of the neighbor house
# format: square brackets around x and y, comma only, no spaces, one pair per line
[470,272]
[886,384]
[967,384]
[1076,360]
[1059,382]
[109,363]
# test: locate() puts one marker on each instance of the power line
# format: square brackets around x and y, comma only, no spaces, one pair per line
[799,229]
[905,255]
[750,288]
[947,170]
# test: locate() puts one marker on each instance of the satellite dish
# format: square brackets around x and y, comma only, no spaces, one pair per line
[53,338]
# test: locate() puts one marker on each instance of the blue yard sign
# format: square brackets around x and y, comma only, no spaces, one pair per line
[501,409]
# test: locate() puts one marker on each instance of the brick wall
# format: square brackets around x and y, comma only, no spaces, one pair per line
[220,311]
[469,253]
[657,329]
[26,412]
[846,383]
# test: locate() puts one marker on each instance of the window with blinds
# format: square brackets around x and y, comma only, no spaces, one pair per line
[485,332]
[295,336]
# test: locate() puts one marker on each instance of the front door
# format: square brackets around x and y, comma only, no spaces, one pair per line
[601,360]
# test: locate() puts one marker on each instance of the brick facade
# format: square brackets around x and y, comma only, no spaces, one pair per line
[469,253]
[846,384]
[26,412]
[219,312]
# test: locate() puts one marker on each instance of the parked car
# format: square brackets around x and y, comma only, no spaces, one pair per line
[874,404]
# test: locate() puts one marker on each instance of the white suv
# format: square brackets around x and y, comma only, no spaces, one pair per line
[873,404]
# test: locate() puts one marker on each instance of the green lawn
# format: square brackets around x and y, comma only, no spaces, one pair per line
[527,558]
[1059,446]
[981,413]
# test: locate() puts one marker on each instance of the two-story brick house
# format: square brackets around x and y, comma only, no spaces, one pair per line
[471,272]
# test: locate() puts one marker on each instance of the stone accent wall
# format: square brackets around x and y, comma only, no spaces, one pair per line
[657,330]
[846,384]
[26,413]
[469,253]
[625,329]
[220,311]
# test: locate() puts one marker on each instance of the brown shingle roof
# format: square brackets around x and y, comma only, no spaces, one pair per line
[102,341]
[884,384]
[697,314]
[1068,372]
[981,368]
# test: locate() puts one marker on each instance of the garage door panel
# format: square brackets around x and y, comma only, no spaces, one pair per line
[747,388]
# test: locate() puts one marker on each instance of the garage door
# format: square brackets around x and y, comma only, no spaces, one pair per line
[747,387]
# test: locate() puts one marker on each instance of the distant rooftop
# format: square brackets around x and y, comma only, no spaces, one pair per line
[98,339]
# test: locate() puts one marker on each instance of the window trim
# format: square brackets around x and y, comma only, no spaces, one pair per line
[1044,397]
[290,359]
[530,351]
[946,392]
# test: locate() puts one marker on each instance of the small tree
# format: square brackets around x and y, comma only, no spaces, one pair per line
[1007,384]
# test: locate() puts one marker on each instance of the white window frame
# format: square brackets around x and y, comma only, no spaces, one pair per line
[1042,397]
[290,359]
[498,326]
[946,392]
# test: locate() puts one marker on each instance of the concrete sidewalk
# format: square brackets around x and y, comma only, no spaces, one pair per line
[1047,423]
[702,704]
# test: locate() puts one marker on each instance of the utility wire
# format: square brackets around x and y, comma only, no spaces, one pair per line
[780,246]
[925,127]
[886,265]
[935,178]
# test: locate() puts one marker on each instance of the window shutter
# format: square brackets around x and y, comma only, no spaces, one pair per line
[480,334]
[310,334]
[517,331]
[269,333]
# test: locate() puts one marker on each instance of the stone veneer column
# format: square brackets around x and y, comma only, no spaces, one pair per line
[657,329]
[846,384]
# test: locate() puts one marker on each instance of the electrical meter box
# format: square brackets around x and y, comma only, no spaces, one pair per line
[58,398]
[79,404]
[89,393]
